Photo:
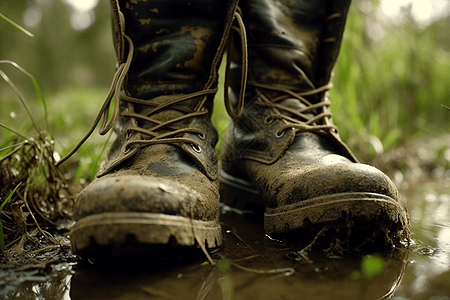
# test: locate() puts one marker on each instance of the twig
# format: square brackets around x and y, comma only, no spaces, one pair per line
[200,243]
[303,253]
[288,271]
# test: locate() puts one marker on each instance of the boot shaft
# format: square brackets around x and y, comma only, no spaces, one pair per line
[292,44]
[169,53]
[177,44]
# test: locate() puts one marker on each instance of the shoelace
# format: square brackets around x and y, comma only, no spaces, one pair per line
[302,121]
[305,119]
[117,93]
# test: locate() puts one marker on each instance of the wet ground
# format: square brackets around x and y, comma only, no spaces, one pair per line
[252,266]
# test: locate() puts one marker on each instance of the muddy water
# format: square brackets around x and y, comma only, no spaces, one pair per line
[251,266]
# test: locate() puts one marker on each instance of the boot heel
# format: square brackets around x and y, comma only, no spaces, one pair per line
[240,194]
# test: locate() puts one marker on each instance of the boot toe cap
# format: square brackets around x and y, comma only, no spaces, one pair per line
[134,193]
[335,179]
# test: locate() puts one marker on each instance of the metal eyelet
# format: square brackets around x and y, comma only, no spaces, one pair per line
[196,148]
[201,136]
[268,120]
[128,135]
[127,149]
[279,134]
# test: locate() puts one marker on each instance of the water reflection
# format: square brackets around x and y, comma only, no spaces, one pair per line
[428,273]
[191,278]
[35,284]
[328,279]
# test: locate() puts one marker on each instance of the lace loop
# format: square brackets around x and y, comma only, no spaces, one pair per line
[240,29]
[114,92]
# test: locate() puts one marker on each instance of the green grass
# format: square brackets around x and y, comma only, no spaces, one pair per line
[27,156]
[2,239]
[391,89]
[69,128]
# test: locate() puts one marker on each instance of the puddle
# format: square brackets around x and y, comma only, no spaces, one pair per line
[252,266]
[428,273]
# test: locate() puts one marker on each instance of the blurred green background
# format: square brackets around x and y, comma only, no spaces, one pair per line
[390,82]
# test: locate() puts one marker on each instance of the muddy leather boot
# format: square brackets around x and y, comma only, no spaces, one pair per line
[282,151]
[159,188]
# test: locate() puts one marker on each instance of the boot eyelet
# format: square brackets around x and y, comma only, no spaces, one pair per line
[196,148]
[201,136]
[128,135]
[279,134]
[268,120]
[127,149]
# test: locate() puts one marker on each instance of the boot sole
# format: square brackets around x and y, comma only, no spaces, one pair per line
[136,233]
[365,213]
[360,207]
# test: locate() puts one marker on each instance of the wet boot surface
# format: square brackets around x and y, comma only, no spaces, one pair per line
[282,151]
[158,190]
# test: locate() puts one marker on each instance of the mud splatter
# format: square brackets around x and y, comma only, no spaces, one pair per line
[145,21]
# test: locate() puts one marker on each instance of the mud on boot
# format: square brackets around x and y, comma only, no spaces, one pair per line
[282,151]
[158,190]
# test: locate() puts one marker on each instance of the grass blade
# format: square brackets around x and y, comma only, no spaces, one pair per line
[2,239]
[13,146]
[21,98]
[9,196]
[14,131]
[38,90]
[16,25]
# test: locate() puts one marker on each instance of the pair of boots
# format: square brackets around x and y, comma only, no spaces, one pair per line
[160,186]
